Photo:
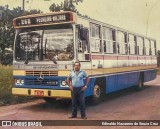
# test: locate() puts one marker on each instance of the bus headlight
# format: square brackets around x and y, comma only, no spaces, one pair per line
[19,82]
[63,83]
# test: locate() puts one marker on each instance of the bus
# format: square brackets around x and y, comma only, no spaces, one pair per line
[47,45]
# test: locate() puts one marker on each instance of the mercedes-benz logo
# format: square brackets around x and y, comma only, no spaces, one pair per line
[40,77]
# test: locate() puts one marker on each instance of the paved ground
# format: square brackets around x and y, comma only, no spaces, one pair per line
[124,105]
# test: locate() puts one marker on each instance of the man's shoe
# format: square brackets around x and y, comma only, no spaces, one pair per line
[84,118]
[72,117]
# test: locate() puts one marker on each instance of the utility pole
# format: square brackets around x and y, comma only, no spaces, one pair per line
[149,16]
[23,5]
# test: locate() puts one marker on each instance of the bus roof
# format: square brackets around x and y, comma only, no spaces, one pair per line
[114,27]
[61,18]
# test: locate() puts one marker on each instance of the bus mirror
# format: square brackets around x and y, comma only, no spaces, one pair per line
[83,34]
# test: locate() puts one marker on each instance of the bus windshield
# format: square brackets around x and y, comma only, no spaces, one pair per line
[44,44]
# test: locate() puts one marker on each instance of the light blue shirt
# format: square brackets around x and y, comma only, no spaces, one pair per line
[77,78]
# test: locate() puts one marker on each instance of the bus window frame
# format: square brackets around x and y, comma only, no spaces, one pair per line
[95,38]
[34,28]
[113,33]
[120,42]
[133,42]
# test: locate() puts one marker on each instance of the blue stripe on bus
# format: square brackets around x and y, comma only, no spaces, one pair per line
[114,82]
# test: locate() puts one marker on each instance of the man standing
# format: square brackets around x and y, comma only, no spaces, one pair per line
[75,80]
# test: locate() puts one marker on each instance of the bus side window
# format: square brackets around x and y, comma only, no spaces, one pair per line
[126,43]
[132,44]
[153,49]
[121,42]
[108,41]
[147,46]
[83,46]
[95,40]
[114,41]
[140,46]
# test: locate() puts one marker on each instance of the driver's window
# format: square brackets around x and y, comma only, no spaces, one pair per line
[83,47]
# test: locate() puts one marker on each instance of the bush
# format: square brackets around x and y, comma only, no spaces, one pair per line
[6,80]
[7,58]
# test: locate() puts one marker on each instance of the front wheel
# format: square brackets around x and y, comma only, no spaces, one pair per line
[97,94]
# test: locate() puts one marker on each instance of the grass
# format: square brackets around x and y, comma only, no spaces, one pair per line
[6,80]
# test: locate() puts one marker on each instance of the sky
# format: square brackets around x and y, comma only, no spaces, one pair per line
[140,16]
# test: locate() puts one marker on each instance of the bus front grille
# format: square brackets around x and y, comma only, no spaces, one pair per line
[45,73]
[45,82]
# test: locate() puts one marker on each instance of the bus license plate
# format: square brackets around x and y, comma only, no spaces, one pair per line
[39,92]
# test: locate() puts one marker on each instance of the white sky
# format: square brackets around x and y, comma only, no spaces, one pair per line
[132,15]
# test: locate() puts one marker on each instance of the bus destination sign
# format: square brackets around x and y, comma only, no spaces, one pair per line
[48,19]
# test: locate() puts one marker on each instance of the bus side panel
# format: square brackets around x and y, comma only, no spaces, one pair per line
[133,79]
[121,81]
[150,75]
[111,83]
[89,90]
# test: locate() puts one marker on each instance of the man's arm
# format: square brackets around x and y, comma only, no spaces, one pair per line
[85,86]
[69,83]
[87,81]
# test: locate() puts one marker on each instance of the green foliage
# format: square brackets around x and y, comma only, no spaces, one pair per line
[66,5]
[7,31]
[6,80]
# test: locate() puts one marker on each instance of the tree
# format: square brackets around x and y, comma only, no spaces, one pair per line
[7,31]
[66,5]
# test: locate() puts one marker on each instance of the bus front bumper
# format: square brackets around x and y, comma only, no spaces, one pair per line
[42,92]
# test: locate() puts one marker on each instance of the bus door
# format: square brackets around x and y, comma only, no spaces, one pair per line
[83,45]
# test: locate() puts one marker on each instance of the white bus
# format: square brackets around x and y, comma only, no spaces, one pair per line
[46,45]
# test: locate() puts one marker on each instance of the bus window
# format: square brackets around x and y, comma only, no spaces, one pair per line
[141,48]
[153,49]
[83,46]
[131,41]
[45,44]
[147,46]
[121,42]
[126,43]
[95,40]
[107,40]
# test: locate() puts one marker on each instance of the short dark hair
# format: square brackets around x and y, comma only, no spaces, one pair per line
[77,62]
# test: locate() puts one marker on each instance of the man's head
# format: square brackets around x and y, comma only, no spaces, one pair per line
[77,66]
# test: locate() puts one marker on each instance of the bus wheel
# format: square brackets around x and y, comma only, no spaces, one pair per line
[140,83]
[96,95]
[49,100]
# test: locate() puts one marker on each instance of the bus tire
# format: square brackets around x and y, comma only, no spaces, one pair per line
[140,82]
[98,91]
[96,95]
[49,100]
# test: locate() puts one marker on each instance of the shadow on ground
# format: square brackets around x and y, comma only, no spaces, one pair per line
[65,105]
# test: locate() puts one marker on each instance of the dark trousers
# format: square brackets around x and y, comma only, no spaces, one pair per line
[78,96]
